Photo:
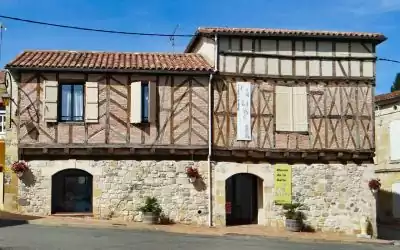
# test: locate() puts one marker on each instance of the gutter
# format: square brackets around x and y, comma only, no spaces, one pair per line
[210,130]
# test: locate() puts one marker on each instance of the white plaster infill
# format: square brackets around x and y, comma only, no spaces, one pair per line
[49,168]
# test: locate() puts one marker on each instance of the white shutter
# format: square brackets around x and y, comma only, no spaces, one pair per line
[91,102]
[300,106]
[136,102]
[395,140]
[283,110]
[50,101]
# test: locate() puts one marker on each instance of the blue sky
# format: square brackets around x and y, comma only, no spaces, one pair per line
[162,16]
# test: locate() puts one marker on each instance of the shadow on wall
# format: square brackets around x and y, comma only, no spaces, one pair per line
[387,223]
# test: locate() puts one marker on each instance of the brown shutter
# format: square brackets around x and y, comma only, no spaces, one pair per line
[50,101]
[152,102]
[283,108]
[300,105]
[91,102]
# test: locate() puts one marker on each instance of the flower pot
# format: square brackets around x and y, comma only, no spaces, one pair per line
[293,225]
[149,218]
[20,174]
[192,179]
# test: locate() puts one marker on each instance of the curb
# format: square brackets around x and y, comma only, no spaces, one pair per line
[123,226]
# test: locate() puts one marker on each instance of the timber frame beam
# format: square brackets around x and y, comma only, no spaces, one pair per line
[160,152]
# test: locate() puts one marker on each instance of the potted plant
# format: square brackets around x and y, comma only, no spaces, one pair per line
[20,167]
[151,210]
[374,185]
[293,217]
[192,174]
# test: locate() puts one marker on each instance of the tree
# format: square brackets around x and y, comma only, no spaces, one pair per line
[396,84]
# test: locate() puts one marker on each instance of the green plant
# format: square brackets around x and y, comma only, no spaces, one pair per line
[292,211]
[151,205]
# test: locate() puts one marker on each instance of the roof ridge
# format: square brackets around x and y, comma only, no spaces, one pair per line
[106,52]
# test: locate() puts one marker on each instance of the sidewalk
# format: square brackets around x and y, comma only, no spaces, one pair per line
[250,230]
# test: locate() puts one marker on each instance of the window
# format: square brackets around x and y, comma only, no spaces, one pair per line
[394,138]
[145,101]
[291,109]
[2,121]
[71,102]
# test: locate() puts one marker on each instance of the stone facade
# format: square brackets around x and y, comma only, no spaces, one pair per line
[120,187]
[335,195]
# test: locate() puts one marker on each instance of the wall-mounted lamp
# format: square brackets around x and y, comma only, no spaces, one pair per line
[6,99]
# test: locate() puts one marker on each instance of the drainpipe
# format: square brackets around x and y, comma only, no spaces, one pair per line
[210,110]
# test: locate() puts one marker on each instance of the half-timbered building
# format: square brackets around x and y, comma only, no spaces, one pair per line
[267,116]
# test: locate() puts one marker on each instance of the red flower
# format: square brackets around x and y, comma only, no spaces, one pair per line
[374,184]
[192,172]
[19,166]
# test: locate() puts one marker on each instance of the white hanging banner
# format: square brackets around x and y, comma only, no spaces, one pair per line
[243,121]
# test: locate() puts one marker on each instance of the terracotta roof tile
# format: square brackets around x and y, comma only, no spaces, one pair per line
[2,77]
[109,61]
[287,32]
[283,33]
[387,96]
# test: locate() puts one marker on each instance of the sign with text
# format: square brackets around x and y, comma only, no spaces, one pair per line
[283,184]
[243,121]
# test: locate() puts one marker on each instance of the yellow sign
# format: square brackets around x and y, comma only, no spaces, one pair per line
[283,184]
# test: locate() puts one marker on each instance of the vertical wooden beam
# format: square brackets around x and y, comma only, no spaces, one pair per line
[334,59]
[293,60]
[253,58]
[319,60]
[326,121]
[279,60]
[342,122]
[172,92]
[307,61]
[349,62]
[309,113]
[372,120]
[190,110]
[357,120]
[84,101]
[259,116]
[273,113]
[228,112]
[128,109]
[107,132]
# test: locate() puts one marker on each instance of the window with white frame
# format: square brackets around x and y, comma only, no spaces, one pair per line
[2,121]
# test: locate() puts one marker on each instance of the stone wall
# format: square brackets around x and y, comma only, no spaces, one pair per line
[120,187]
[335,195]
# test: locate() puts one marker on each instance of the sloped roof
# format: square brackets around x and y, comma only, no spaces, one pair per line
[109,61]
[378,37]
[387,96]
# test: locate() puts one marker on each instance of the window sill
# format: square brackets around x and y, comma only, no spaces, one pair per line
[71,123]
[394,162]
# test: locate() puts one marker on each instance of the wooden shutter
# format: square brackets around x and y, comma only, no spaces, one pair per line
[152,102]
[394,140]
[91,102]
[50,101]
[283,109]
[136,102]
[300,106]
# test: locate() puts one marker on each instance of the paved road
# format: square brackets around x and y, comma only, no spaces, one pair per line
[51,238]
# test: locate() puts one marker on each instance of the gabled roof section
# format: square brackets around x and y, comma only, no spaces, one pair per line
[311,34]
[117,61]
[387,98]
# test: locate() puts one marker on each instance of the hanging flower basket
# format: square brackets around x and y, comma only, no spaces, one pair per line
[19,168]
[374,185]
[192,174]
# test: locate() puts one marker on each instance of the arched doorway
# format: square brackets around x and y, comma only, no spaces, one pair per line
[71,192]
[243,194]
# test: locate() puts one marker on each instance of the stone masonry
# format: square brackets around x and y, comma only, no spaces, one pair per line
[335,195]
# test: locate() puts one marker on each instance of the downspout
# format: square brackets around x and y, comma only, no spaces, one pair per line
[210,130]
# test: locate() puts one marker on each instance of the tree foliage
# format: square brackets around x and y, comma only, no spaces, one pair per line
[396,83]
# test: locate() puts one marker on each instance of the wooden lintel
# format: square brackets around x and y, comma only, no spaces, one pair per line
[110,150]
[132,150]
[340,154]
[45,150]
[239,153]
[304,155]
[172,151]
[286,154]
[256,154]
[321,154]
[152,150]
[66,150]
